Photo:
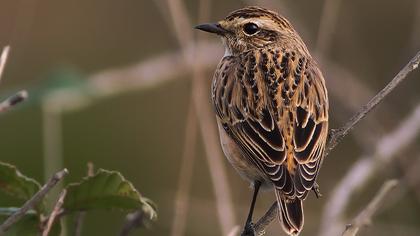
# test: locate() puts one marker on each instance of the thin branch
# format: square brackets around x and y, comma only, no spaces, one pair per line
[188,157]
[207,126]
[13,100]
[31,203]
[54,213]
[133,221]
[81,215]
[52,144]
[336,136]
[3,59]
[235,231]
[185,174]
[264,221]
[411,174]
[386,149]
[327,26]
[365,217]
[79,223]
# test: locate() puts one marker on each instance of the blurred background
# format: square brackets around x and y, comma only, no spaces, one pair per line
[124,84]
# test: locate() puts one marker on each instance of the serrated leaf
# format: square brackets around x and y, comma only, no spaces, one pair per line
[105,190]
[15,183]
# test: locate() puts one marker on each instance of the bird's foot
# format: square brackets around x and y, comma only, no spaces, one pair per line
[316,190]
[248,229]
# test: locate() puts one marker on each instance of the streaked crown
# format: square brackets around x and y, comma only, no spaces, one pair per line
[254,27]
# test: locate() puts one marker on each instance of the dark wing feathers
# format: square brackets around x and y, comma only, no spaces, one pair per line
[251,103]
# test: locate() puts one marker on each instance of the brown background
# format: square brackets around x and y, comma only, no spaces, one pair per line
[57,43]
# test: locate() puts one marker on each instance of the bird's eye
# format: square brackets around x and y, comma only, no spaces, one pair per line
[250,28]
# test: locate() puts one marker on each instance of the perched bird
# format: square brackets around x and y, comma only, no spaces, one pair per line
[271,105]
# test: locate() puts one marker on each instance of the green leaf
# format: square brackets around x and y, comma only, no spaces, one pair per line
[15,183]
[105,190]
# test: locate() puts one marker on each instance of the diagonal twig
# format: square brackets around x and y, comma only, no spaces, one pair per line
[185,174]
[336,136]
[188,157]
[31,203]
[365,216]
[3,59]
[184,33]
[55,212]
[386,149]
[13,100]
[81,215]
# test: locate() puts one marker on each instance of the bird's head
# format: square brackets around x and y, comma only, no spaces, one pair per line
[250,28]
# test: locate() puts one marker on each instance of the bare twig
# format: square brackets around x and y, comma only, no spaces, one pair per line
[31,203]
[364,169]
[133,221]
[327,26]
[188,157]
[54,213]
[365,217]
[207,125]
[13,100]
[17,97]
[336,136]
[411,174]
[262,223]
[53,144]
[185,174]
[81,215]
[235,231]
[3,58]
[79,223]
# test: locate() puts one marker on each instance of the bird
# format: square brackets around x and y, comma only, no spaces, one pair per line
[271,107]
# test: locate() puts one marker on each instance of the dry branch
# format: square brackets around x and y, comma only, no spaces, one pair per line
[184,34]
[133,220]
[185,174]
[56,210]
[3,59]
[361,171]
[337,135]
[31,203]
[13,100]
[365,217]
[80,217]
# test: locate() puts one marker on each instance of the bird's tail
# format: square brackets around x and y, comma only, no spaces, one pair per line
[290,214]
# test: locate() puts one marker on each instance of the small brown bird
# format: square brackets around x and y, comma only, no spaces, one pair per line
[272,109]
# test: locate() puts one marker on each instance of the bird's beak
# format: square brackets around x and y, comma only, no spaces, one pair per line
[214,28]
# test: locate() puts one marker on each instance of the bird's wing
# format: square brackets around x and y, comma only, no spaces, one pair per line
[239,103]
[249,98]
[310,127]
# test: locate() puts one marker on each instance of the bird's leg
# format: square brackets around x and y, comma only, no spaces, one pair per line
[316,190]
[249,229]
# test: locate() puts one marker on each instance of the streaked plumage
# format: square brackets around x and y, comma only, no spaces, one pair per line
[272,107]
